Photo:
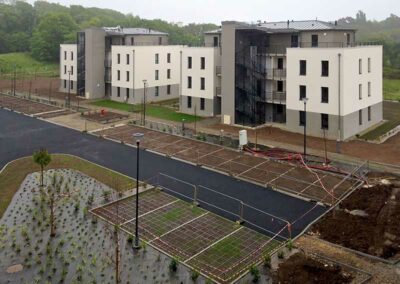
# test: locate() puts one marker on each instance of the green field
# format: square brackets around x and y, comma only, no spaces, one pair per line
[151,110]
[25,64]
[391,89]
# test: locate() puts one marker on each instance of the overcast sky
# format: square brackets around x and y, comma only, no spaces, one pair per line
[215,11]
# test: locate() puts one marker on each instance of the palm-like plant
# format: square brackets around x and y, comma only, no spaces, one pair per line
[42,158]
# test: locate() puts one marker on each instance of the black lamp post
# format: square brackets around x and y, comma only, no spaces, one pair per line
[138,137]
[144,101]
[305,127]
[69,88]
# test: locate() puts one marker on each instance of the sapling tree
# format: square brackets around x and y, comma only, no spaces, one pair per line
[43,159]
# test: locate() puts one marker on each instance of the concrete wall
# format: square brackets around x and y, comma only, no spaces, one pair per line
[68,63]
[64,86]
[228,71]
[330,38]
[209,106]
[94,61]
[209,39]
[146,39]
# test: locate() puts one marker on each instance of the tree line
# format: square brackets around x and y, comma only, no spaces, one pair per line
[40,28]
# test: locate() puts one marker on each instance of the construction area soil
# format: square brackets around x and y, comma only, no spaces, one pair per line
[103,116]
[367,221]
[300,269]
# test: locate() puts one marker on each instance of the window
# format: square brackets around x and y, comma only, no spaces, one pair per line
[127,59]
[127,93]
[369,113]
[72,70]
[160,41]
[127,76]
[168,73]
[168,89]
[118,92]
[294,41]
[189,61]
[202,83]
[72,55]
[65,55]
[324,95]
[156,75]
[324,121]
[303,67]
[302,92]
[156,91]
[65,69]
[123,41]
[216,41]
[118,58]
[132,41]
[157,58]
[369,65]
[369,89]
[202,63]
[348,38]
[302,118]
[314,40]
[65,84]
[280,63]
[359,66]
[279,86]
[72,85]
[324,68]
[189,102]
[118,75]
[202,103]
[360,117]
[189,82]
[168,57]
[359,91]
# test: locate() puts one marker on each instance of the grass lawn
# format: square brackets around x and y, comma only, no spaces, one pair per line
[151,110]
[391,113]
[14,174]
[391,89]
[26,64]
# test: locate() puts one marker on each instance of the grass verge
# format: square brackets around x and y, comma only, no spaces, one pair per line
[391,89]
[157,111]
[25,66]
[15,173]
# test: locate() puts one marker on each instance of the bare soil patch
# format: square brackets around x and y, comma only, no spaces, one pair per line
[367,221]
[300,268]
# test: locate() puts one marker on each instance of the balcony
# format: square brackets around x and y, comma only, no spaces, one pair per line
[218,70]
[107,77]
[274,97]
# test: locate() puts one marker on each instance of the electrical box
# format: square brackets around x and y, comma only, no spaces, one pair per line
[242,138]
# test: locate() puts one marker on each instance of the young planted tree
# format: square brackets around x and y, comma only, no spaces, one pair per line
[43,159]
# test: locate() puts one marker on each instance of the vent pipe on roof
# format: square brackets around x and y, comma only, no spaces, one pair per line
[288,22]
[335,23]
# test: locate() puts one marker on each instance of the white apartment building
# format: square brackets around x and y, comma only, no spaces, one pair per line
[134,67]
[68,70]
[201,81]
[343,87]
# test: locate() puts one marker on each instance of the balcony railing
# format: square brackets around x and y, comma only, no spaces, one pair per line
[218,91]
[218,70]
[274,97]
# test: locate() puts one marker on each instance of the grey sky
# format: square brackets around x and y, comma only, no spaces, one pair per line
[215,11]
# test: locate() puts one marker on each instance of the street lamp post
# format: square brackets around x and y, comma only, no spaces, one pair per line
[305,127]
[138,137]
[144,101]
[69,88]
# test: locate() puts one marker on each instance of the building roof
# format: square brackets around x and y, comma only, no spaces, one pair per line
[217,31]
[309,25]
[132,31]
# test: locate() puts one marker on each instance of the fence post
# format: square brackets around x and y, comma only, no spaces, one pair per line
[195,203]
[241,210]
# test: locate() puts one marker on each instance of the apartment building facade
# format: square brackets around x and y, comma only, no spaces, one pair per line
[68,70]
[261,81]
[154,69]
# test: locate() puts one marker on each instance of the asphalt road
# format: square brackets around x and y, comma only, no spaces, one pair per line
[21,135]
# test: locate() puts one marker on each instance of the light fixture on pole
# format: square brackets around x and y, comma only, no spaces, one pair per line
[137,137]
[305,126]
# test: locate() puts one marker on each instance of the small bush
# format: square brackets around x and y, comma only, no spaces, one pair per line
[130,239]
[267,260]
[173,265]
[194,275]
[289,245]
[281,254]
[255,273]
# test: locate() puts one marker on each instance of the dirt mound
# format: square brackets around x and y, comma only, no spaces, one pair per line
[376,233]
[301,269]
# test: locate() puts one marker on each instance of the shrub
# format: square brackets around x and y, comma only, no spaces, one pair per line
[173,265]
[267,260]
[289,245]
[130,238]
[255,273]
[281,254]
[194,275]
